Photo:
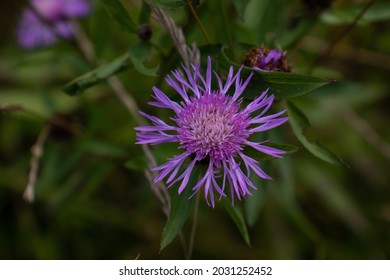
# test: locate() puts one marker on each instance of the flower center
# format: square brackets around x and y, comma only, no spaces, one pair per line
[211,126]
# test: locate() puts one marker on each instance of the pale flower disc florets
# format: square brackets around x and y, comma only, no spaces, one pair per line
[212,128]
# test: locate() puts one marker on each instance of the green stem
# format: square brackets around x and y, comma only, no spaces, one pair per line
[193,229]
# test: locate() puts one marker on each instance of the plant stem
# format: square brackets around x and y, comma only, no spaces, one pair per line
[37,151]
[194,14]
[193,229]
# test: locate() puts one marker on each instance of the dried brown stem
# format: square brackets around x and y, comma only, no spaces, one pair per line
[37,151]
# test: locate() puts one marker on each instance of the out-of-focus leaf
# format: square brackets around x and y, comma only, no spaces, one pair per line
[344,15]
[181,207]
[241,6]
[101,73]
[101,148]
[238,218]
[137,163]
[289,149]
[299,122]
[36,101]
[335,198]
[144,13]
[255,202]
[291,37]
[283,85]
[263,17]
[119,14]
[138,53]
[170,4]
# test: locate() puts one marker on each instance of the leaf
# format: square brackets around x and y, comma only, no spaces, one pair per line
[345,15]
[299,122]
[335,197]
[238,218]
[241,6]
[181,207]
[263,18]
[283,85]
[137,163]
[138,53]
[101,73]
[119,14]
[101,148]
[170,4]
[291,37]
[144,14]
[255,202]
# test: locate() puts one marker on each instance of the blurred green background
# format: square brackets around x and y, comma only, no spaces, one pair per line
[89,205]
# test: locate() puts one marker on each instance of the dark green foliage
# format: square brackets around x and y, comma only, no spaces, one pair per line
[93,200]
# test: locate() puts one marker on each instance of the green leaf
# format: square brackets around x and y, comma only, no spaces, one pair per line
[137,163]
[119,14]
[299,122]
[347,14]
[291,37]
[263,18]
[170,4]
[138,53]
[238,218]
[241,6]
[101,148]
[101,73]
[255,202]
[289,149]
[144,13]
[283,85]
[181,207]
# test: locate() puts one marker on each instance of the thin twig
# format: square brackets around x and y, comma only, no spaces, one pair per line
[37,151]
[193,229]
[194,14]
[339,36]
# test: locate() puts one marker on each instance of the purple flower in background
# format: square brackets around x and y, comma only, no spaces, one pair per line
[48,21]
[212,129]
[266,59]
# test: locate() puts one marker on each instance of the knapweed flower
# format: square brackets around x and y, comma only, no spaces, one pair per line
[48,21]
[266,59]
[212,128]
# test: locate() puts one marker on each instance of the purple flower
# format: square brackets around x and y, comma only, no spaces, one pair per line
[266,59]
[51,22]
[212,128]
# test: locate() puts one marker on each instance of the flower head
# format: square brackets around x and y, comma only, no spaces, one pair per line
[48,21]
[266,59]
[212,128]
